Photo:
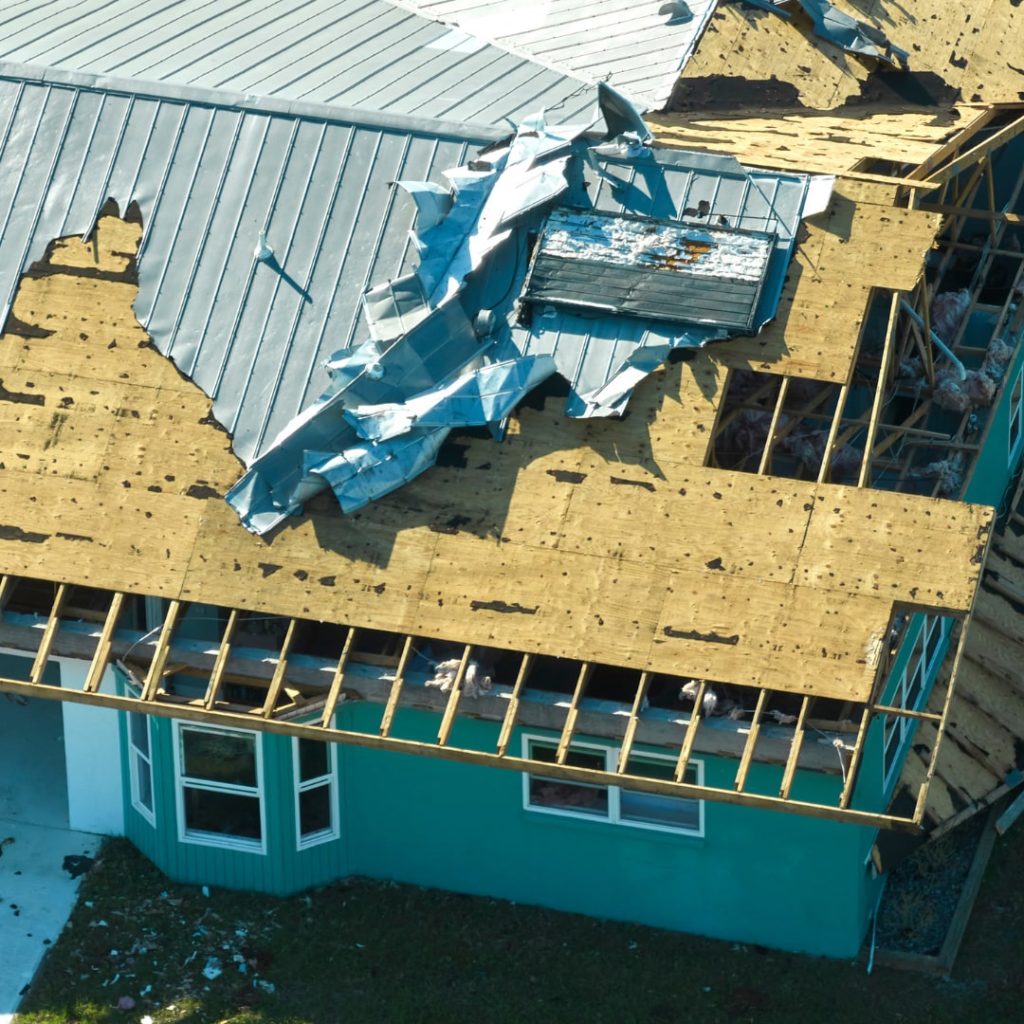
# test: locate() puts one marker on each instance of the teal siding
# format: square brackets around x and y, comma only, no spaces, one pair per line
[992,469]
[771,878]
[281,870]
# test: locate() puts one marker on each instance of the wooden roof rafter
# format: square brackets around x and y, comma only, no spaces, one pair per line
[308,713]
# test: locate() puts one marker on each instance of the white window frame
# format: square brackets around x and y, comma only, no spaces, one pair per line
[614,815]
[917,664]
[225,842]
[134,754]
[330,780]
[1016,419]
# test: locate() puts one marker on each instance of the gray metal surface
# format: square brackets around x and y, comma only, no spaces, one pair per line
[208,179]
[371,54]
[654,269]
[640,46]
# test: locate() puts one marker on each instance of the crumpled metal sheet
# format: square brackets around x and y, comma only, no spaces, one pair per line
[847,33]
[485,395]
[448,346]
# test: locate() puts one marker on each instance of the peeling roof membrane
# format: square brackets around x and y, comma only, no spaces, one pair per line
[448,347]
[655,269]
[845,32]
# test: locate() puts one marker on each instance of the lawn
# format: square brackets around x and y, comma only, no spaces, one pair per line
[374,952]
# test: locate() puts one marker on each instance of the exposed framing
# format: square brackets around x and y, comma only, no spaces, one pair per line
[313,691]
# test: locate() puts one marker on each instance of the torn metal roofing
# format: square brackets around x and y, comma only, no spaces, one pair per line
[453,346]
[208,179]
[371,54]
[639,46]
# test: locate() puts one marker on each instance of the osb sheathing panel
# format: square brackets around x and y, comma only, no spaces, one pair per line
[860,242]
[815,142]
[971,45]
[599,539]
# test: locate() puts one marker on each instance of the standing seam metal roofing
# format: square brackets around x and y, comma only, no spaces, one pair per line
[354,53]
[640,46]
[209,175]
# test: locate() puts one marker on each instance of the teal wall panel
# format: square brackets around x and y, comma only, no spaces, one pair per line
[764,877]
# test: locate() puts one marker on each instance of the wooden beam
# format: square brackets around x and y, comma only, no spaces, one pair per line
[52,624]
[691,732]
[634,720]
[570,773]
[794,751]
[7,584]
[454,696]
[396,688]
[883,376]
[574,709]
[769,441]
[334,691]
[976,153]
[949,148]
[940,729]
[855,758]
[830,441]
[223,653]
[101,658]
[163,647]
[954,210]
[748,748]
[509,720]
[924,716]
[274,689]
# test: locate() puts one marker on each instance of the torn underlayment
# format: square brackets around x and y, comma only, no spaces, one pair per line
[556,251]
[847,33]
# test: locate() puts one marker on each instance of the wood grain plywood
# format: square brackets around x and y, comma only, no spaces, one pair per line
[969,45]
[854,246]
[812,141]
[605,540]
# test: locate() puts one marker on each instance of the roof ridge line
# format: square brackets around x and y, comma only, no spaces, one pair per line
[205,96]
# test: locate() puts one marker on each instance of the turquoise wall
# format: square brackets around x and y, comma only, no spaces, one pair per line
[992,471]
[281,870]
[755,876]
[771,878]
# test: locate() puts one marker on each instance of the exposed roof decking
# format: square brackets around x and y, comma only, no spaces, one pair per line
[348,53]
[971,46]
[582,543]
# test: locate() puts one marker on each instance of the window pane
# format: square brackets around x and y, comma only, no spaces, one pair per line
[652,809]
[315,810]
[227,814]
[313,760]
[577,758]
[138,728]
[143,782]
[569,796]
[219,757]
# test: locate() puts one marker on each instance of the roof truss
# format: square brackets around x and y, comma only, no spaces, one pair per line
[299,700]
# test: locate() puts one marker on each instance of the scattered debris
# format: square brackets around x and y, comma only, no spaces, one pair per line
[77,864]
[474,683]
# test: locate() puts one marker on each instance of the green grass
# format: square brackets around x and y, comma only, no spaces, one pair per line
[376,952]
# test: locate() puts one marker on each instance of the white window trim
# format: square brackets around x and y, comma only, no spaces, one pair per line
[213,838]
[1016,416]
[133,774]
[613,817]
[919,661]
[325,835]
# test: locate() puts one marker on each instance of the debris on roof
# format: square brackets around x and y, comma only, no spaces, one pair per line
[847,33]
[453,346]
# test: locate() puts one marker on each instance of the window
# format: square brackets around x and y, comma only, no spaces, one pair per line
[616,804]
[140,765]
[219,782]
[1016,417]
[316,816]
[910,688]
